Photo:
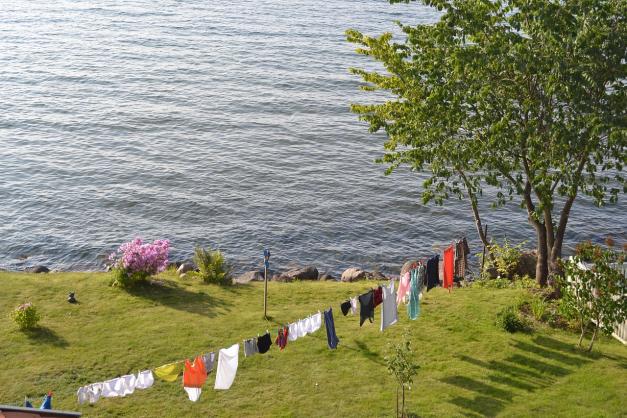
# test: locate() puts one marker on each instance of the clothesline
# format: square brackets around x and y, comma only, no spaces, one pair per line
[411,287]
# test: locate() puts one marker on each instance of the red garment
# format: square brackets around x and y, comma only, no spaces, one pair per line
[195,374]
[449,257]
[378,296]
[281,339]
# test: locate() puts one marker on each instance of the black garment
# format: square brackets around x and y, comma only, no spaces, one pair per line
[332,339]
[433,273]
[345,307]
[264,342]
[366,307]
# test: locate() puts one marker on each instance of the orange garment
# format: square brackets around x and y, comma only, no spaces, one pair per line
[449,261]
[195,374]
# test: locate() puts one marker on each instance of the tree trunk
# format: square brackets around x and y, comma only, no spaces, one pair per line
[475,212]
[403,405]
[594,335]
[542,268]
[583,332]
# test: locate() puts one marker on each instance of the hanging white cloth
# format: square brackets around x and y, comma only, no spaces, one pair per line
[227,367]
[144,380]
[389,312]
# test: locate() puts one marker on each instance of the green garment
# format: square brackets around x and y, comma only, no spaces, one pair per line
[417,277]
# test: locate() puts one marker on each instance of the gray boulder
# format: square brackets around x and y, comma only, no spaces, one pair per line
[39,269]
[354,274]
[185,267]
[249,276]
[326,277]
[303,273]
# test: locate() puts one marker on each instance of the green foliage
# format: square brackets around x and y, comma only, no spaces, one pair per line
[524,97]
[498,283]
[539,308]
[508,319]
[120,277]
[595,295]
[584,250]
[212,265]
[506,258]
[402,366]
[26,316]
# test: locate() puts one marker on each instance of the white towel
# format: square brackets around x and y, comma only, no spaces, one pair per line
[227,367]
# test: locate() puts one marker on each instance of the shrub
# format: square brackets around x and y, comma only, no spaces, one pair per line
[595,296]
[212,265]
[506,258]
[135,261]
[26,316]
[509,320]
[538,308]
[498,283]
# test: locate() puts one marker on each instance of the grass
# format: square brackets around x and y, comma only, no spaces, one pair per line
[468,366]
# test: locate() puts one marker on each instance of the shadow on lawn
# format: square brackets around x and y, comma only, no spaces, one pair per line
[44,335]
[175,296]
[530,368]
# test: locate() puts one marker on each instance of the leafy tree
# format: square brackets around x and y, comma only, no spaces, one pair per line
[598,295]
[526,97]
[401,364]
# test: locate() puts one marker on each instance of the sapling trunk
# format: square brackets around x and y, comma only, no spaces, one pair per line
[594,334]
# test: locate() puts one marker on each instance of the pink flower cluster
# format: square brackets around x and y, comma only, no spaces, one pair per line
[143,258]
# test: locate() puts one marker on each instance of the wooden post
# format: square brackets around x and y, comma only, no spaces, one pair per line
[266,265]
[485,234]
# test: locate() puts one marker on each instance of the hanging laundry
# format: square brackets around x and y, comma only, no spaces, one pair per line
[144,380]
[366,307]
[250,347]
[403,288]
[264,343]
[27,403]
[89,393]
[209,360]
[194,377]
[302,328]
[281,339]
[293,331]
[109,388]
[227,366]
[345,307]
[413,309]
[433,272]
[315,322]
[378,296]
[332,339]
[448,267]
[169,372]
[47,402]
[461,258]
[354,305]
[389,313]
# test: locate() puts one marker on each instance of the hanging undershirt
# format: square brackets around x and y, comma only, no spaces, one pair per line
[433,272]
[389,312]
[354,305]
[413,309]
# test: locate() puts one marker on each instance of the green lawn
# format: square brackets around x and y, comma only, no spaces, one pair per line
[468,367]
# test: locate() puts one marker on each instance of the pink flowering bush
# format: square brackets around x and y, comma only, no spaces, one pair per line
[135,261]
[26,316]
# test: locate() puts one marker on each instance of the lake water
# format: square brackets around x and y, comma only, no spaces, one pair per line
[221,123]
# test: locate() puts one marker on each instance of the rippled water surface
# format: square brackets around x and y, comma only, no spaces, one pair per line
[210,122]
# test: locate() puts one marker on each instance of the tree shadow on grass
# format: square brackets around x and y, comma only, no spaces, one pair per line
[173,295]
[45,335]
[531,367]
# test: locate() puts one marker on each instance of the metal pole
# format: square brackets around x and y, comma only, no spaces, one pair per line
[485,234]
[266,264]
